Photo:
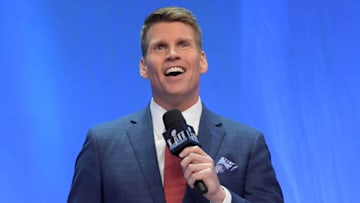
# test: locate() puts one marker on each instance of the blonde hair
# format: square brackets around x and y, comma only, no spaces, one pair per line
[170,14]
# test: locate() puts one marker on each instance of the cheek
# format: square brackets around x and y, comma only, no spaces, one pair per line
[199,65]
[153,72]
[153,63]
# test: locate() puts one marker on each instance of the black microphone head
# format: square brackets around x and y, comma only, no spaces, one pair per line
[178,134]
[172,117]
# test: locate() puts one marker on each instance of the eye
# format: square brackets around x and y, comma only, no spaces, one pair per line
[160,47]
[183,44]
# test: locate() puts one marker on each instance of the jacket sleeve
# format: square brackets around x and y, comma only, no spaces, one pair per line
[86,185]
[261,184]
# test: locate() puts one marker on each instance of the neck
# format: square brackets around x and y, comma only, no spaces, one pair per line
[173,103]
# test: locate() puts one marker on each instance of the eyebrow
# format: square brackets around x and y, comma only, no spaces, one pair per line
[160,41]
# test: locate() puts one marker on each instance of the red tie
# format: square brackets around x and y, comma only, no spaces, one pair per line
[174,181]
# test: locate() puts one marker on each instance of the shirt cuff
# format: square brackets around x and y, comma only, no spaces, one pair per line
[227,195]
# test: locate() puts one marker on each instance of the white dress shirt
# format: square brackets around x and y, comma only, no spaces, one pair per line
[192,117]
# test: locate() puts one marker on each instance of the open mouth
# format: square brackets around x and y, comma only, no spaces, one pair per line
[174,71]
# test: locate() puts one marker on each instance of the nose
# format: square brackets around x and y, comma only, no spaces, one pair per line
[172,53]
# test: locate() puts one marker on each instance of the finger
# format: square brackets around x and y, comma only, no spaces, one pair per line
[192,149]
[202,174]
[195,168]
[194,158]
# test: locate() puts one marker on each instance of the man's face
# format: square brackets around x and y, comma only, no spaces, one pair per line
[173,63]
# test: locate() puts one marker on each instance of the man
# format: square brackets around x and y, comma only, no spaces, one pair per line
[123,160]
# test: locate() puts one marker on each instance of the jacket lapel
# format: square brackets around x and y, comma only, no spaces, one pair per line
[210,133]
[142,141]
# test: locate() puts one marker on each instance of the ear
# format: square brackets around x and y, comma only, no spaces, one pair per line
[203,63]
[143,68]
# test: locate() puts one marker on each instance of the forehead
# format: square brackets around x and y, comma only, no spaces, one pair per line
[167,31]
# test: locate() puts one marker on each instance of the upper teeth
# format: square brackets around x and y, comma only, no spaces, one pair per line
[174,69]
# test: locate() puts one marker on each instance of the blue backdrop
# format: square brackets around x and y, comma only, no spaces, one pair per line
[288,67]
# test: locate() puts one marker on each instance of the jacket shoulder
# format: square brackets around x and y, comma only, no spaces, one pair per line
[124,122]
[231,125]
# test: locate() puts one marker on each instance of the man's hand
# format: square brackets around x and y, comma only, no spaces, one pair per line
[197,165]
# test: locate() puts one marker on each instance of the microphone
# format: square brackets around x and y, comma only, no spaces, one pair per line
[179,135]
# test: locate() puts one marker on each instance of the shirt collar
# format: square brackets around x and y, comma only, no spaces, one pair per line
[191,115]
